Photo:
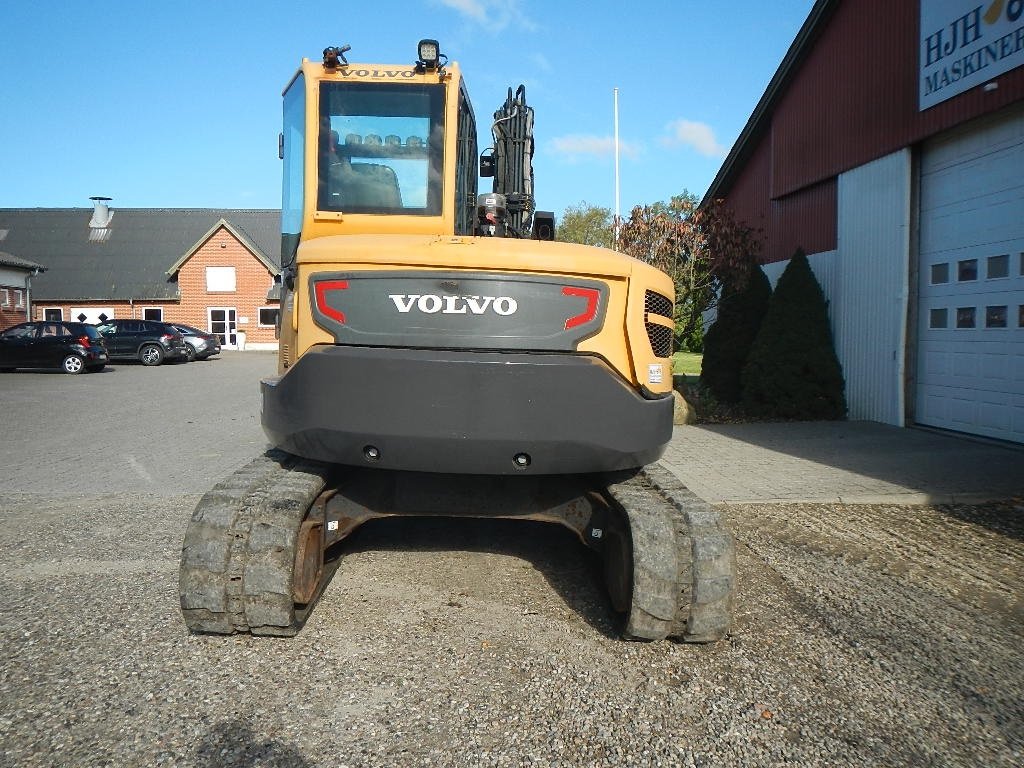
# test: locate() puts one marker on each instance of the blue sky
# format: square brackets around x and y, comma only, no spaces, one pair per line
[177,104]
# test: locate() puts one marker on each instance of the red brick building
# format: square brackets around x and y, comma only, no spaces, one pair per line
[210,268]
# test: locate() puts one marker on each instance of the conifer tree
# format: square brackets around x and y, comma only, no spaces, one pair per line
[728,341]
[792,371]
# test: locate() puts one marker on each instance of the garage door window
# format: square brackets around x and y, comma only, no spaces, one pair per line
[998,266]
[967,270]
[995,317]
[965,317]
[940,273]
[938,318]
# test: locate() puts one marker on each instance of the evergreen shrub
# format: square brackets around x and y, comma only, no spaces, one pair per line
[728,341]
[792,371]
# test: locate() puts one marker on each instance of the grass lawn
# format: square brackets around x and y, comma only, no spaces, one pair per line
[687,362]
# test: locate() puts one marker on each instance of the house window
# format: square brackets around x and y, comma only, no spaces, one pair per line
[220,279]
[5,297]
[998,266]
[1020,316]
[268,317]
[153,313]
[938,318]
[53,314]
[940,273]
[19,297]
[967,270]
[965,317]
[995,317]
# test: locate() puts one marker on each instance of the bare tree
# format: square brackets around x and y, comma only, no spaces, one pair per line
[700,246]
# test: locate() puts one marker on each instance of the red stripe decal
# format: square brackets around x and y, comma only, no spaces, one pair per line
[321,298]
[592,295]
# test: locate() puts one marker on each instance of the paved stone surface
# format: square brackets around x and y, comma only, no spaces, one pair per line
[132,429]
[853,462]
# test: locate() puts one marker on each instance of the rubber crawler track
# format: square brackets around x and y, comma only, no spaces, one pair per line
[238,556]
[684,561]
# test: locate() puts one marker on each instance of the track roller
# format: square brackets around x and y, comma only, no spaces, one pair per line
[252,560]
[682,560]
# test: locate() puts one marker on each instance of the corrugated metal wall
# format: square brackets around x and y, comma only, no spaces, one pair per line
[750,197]
[851,101]
[869,309]
[805,219]
[854,98]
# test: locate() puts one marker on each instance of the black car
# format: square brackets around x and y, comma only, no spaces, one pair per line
[72,347]
[150,341]
[201,344]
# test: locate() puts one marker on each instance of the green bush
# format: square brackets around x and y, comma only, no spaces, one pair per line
[728,341]
[792,371]
[694,342]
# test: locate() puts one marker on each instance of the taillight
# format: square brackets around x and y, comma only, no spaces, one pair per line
[322,289]
[167,337]
[85,341]
[592,295]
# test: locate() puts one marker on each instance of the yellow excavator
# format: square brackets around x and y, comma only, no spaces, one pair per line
[440,354]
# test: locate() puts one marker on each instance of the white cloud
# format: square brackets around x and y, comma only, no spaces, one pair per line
[698,136]
[475,9]
[496,14]
[540,61]
[573,146]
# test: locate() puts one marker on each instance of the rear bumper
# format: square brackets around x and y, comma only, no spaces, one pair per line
[461,411]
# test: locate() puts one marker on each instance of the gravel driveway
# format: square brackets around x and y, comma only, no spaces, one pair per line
[865,635]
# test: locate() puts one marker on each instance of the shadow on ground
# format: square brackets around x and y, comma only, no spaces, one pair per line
[569,568]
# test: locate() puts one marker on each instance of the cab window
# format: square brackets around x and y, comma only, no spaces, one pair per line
[381,148]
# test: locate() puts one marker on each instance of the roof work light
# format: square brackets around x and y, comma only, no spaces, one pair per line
[334,56]
[429,53]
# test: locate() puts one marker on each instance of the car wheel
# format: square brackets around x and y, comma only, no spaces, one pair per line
[151,354]
[73,364]
[190,352]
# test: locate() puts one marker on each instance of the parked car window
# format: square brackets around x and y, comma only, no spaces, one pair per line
[19,331]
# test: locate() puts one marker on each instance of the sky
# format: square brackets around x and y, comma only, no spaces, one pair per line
[177,104]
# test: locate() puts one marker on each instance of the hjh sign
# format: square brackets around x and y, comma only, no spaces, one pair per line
[965,43]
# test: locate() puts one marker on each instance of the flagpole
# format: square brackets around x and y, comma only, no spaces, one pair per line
[617,218]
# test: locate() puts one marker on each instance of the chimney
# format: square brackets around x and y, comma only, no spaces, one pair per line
[99,224]
[101,213]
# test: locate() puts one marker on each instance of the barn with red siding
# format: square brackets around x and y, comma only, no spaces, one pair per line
[889,145]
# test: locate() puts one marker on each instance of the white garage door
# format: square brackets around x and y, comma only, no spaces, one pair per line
[970,373]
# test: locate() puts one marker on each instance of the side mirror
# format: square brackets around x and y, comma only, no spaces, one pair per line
[487,165]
